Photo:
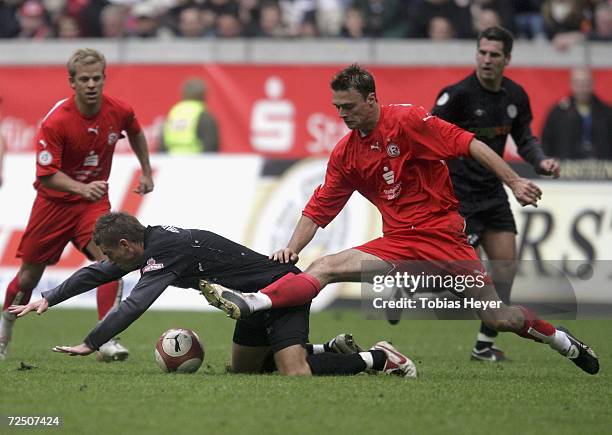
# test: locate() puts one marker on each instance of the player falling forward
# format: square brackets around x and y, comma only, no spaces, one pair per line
[167,255]
[395,157]
[492,107]
[75,146]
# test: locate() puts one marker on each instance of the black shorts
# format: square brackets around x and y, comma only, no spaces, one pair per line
[491,213]
[278,328]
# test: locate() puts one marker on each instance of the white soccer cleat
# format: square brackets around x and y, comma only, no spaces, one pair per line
[345,344]
[7,321]
[112,350]
[397,363]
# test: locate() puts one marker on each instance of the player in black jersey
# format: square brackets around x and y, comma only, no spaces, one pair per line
[492,107]
[168,255]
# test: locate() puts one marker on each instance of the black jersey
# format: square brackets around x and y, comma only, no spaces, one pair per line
[491,116]
[177,257]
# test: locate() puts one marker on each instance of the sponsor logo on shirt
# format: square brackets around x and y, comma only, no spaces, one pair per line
[152,265]
[91,159]
[170,228]
[112,138]
[94,130]
[388,175]
[45,158]
[393,192]
[393,150]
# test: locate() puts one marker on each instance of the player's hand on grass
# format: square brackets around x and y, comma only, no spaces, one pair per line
[40,306]
[526,192]
[285,255]
[145,185]
[80,350]
[549,167]
[95,190]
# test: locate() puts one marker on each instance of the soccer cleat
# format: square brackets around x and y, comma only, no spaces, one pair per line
[396,364]
[233,303]
[7,320]
[112,350]
[581,354]
[490,354]
[345,344]
[394,315]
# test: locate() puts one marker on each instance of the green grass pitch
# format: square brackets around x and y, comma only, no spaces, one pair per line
[537,393]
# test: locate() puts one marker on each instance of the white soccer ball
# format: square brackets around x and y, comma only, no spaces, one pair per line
[179,350]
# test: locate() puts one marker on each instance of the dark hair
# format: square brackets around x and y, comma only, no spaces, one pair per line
[498,34]
[354,77]
[114,226]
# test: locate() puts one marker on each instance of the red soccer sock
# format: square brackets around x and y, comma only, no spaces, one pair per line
[292,290]
[536,329]
[15,295]
[106,297]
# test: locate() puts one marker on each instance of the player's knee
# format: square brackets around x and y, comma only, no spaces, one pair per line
[322,268]
[295,369]
[29,278]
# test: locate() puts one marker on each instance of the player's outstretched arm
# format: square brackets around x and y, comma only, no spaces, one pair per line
[59,181]
[40,306]
[138,142]
[302,235]
[525,191]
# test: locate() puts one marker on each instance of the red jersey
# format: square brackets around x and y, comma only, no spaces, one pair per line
[399,167]
[82,147]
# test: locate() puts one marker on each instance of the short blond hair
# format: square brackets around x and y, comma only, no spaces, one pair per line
[85,56]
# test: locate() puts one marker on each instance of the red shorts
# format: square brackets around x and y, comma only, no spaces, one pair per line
[444,245]
[53,224]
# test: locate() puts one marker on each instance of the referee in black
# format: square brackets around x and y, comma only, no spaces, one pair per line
[492,107]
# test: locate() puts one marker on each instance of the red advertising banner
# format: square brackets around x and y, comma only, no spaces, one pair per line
[282,111]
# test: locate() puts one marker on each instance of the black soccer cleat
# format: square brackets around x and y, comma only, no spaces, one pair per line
[581,354]
[232,303]
[490,354]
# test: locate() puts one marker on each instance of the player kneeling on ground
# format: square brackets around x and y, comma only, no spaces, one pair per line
[167,255]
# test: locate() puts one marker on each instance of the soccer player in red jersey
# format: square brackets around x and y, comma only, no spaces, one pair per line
[74,152]
[395,157]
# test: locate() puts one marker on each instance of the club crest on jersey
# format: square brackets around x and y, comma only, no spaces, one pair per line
[45,158]
[393,150]
[112,138]
[152,265]
[512,111]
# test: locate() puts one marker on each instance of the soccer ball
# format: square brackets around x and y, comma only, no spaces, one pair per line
[179,350]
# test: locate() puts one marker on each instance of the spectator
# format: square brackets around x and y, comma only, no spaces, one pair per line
[383,18]
[580,125]
[113,19]
[191,23]
[459,17]
[603,23]
[354,24]
[487,18]
[440,29]
[228,26]
[329,16]
[190,128]
[33,21]
[564,21]
[308,27]
[9,24]
[528,19]
[294,12]
[67,27]
[496,13]
[270,23]
[147,21]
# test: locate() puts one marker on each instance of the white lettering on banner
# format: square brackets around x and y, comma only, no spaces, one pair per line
[272,120]
[326,132]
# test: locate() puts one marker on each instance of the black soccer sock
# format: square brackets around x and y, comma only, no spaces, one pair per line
[314,349]
[380,358]
[330,363]
[486,337]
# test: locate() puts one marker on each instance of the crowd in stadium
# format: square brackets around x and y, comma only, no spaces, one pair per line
[563,22]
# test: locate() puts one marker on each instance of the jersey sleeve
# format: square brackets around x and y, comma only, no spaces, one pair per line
[329,198]
[131,124]
[432,138]
[447,106]
[83,280]
[49,151]
[527,144]
[146,291]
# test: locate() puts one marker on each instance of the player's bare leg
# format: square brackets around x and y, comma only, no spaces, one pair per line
[500,248]
[249,359]
[18,292]
[108,296]
[350,265]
